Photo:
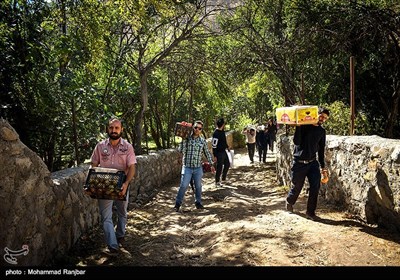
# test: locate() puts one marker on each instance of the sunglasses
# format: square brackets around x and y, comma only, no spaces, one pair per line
[199,128]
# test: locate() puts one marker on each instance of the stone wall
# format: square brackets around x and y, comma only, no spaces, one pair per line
[48,212]
[364,176]
[45,212]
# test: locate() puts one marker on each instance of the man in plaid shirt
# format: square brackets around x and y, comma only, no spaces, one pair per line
[192,149]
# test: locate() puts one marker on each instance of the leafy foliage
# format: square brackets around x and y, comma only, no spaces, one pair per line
[339,120]
[67,66]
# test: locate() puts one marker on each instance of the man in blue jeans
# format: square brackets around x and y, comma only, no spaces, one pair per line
[115,153]
[309,140]
[192,149]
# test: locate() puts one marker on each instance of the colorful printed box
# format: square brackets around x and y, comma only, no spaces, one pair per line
[183,129]
[297,115]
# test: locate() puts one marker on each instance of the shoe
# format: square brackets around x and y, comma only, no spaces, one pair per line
[111,251]
[121,241]
[176,207]
[199,206]
[218,184]
[289,207]
[312,217]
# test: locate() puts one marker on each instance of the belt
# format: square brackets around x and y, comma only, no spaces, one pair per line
[305,161]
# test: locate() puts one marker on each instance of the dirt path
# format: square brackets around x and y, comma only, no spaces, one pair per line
[243,224]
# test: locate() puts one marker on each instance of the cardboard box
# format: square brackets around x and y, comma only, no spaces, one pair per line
[297,115]
[183,129]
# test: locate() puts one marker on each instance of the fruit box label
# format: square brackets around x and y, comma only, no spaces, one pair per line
[297,115]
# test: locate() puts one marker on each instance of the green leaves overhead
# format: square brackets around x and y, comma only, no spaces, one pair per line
[67,66]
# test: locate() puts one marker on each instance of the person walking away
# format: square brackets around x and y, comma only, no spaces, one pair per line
[192,150]
[262,143]
[309,140]
[220,147]
[250,133]
[271,131]
[115,152]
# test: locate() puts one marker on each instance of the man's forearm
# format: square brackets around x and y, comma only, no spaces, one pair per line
[131,173]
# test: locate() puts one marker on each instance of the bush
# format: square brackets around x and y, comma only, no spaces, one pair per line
[239,140]
[339,120]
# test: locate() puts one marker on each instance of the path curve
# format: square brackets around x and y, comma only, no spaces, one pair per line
[244,223]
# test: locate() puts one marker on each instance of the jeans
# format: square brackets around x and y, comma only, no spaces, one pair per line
[106,212]
[299,172]
[187,174]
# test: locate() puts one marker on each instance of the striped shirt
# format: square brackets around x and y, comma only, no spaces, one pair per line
[193,149]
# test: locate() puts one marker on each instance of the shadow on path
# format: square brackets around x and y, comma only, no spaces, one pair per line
[243,224]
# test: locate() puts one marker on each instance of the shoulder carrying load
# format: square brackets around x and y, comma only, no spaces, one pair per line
[297,115]
[183,129]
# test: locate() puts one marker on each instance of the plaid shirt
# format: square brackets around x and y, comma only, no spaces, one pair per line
[192,149]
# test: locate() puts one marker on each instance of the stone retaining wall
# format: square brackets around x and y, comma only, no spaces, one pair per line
[48,212]
[364,176]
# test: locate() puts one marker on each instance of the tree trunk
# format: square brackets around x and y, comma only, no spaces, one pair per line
[74,131]
[393,115]
[140,114]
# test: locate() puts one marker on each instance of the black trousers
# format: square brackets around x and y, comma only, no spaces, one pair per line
[299,172]
[251,148]
[222,166]
[262,153]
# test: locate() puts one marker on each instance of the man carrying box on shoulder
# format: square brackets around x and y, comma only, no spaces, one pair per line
[309,140]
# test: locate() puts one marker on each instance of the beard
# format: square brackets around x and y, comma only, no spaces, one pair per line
[114,136]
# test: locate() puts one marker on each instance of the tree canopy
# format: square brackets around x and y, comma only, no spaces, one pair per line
[67,66]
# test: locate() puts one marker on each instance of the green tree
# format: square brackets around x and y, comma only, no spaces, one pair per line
[368,31]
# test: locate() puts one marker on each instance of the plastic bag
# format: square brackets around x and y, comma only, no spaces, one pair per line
[231,154]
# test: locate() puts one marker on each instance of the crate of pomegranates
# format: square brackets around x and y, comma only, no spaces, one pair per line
[105,183]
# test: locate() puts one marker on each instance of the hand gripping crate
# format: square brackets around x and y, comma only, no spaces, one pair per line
[105,183]
[183,129]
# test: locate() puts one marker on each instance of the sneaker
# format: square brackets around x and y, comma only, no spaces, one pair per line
[289,207]
[176,207]
[312,217]
[121,241]
[218,184]
[199,206]
[111,251]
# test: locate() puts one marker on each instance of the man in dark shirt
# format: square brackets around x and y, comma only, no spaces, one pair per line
[309,140]
[220,146]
